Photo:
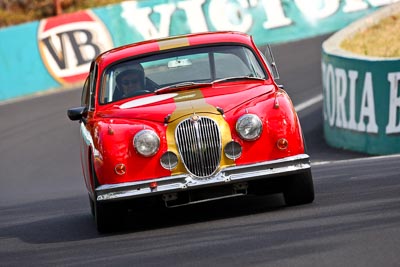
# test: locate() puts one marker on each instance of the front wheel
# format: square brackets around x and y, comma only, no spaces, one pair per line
[299,189]
[107,216]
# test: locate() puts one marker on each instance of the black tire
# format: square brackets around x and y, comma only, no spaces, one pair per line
[106,217]
[91,203]
[299,189]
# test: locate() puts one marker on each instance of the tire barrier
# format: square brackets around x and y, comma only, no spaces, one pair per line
[361,107]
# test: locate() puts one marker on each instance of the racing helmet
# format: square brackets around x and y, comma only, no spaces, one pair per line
[134,69]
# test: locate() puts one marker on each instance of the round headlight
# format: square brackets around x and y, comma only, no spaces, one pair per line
[249,127]
[146,142]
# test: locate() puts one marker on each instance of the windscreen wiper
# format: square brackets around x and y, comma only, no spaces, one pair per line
[180,87]
[234,78]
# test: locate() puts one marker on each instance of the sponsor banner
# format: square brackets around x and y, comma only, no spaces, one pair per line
[68,44]
[361,104]
[52,53]
[269,21]
[21,69]
[57,51]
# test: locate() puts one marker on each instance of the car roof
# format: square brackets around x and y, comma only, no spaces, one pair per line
[156,45]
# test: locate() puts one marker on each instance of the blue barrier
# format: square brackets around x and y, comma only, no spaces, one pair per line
[56,52]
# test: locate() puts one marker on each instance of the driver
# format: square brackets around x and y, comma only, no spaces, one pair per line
[129,82]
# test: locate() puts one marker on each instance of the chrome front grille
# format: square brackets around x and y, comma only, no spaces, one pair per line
[199,144]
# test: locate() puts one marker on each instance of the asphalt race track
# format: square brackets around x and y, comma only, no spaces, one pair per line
[45,218]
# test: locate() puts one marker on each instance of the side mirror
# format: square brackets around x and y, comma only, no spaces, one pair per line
[77,114]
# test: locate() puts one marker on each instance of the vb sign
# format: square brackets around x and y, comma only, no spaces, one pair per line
[69,43]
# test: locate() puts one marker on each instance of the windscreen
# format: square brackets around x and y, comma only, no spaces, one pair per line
[144,75]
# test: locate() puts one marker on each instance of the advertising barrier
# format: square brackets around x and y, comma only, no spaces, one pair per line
[56,52]
[361,95]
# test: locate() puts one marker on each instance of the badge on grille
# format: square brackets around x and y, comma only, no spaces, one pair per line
[195,118]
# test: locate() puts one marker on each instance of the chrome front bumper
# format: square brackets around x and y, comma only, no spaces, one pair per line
[234,174]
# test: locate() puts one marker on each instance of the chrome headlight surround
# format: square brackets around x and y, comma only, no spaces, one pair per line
[249,127]
[146,143]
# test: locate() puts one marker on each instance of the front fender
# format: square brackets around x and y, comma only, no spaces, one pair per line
[279,119]
[113,143]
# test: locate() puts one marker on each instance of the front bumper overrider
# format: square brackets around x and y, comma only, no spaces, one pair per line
[229,175]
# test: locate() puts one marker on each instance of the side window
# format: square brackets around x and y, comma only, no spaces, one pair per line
[92,86]
[89,87]
[85,94]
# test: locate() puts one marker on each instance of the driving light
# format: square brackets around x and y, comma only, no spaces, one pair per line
[249,127]
[233,150]
[169,160]
[146,142]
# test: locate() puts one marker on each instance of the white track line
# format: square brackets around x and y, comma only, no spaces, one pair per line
[308,103]
[356,159]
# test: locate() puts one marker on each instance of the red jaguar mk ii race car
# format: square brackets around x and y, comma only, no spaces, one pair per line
[188,119]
